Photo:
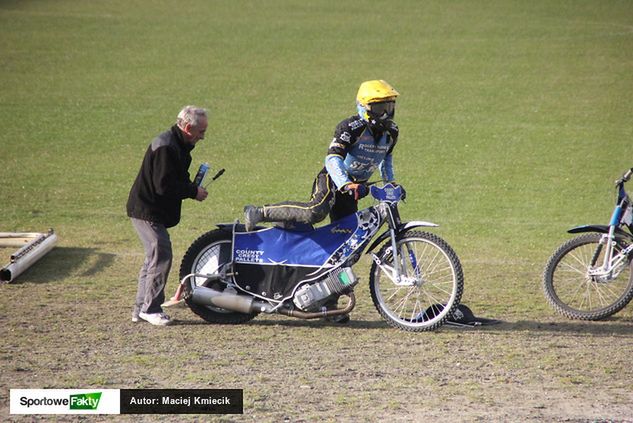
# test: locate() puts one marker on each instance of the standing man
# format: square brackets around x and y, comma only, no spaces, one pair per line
[154,205]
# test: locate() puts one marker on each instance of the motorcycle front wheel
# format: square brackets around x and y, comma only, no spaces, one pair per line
[575,293]
[430,286]
[207,255]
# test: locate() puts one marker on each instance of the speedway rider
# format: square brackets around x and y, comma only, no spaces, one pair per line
[362,143]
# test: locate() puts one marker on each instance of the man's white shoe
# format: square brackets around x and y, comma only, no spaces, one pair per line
[158,319]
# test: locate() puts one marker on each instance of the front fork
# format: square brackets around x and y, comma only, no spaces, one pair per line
[611,265]
[397,270]
[397,273]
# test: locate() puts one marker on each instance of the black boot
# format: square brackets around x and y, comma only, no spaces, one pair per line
[252,216]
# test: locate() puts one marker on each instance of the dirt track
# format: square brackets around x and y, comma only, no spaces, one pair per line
[292,370]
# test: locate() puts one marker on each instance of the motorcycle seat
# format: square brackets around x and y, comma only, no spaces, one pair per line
[294,226]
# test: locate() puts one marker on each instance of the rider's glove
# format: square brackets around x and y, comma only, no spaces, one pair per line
[404,192]
[357,190]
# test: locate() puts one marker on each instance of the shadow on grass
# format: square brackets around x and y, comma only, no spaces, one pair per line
[292,322]
[603,328]
[615,326]
[63,262]
[610,327]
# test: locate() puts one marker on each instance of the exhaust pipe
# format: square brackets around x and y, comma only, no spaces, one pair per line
[321,314]
[229,301]
[245,304]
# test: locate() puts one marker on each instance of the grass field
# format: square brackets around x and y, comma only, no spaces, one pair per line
[515,120]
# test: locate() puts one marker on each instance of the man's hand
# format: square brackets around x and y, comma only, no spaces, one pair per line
[357,190]
[202,194]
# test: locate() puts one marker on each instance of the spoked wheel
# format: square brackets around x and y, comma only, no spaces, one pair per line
[576,288]
[207,255]
[430,286]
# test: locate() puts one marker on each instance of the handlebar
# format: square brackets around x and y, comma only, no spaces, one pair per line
[625,178]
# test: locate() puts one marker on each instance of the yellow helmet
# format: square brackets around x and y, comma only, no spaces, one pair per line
[376,91]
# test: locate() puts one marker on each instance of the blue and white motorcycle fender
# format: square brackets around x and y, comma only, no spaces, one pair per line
[401,229]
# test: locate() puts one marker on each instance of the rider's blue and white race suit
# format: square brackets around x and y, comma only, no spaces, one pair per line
[354,154]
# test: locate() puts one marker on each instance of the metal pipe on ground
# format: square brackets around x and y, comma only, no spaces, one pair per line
[33,247]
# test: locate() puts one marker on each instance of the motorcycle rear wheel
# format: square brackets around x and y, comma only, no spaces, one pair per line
[573,293]
[433,288]
[206,255]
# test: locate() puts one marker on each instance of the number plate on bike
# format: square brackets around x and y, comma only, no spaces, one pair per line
[388,193]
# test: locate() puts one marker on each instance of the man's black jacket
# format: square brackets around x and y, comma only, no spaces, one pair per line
[163,181]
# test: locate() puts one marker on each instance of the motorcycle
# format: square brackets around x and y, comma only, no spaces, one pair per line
[589,276]
[229,275]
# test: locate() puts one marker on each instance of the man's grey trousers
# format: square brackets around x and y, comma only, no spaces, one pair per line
[156,266]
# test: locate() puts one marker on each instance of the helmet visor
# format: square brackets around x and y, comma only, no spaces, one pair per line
[382,110]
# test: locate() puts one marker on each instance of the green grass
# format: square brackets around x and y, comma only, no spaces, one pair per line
[515,119]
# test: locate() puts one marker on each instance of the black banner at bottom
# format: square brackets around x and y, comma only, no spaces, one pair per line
[182,401]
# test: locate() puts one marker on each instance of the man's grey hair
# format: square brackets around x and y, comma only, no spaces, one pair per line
[190,115]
